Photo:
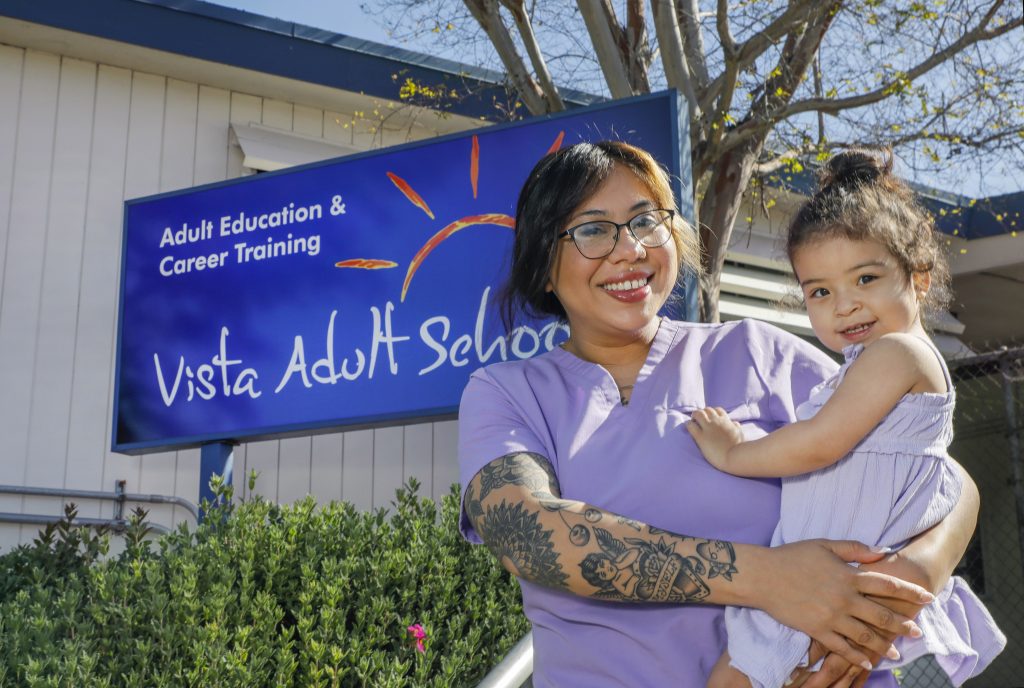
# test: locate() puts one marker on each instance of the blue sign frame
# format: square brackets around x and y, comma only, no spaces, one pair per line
[344,293]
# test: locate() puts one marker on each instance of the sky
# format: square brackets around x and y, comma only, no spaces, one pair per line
[347,17]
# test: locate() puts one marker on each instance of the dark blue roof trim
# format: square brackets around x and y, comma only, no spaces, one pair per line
[273,46]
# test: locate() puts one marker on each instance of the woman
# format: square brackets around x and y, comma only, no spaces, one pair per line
[579,475]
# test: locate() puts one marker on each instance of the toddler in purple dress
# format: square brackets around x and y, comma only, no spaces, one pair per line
[867,458]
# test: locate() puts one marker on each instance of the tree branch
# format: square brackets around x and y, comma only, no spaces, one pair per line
[724,33]
[518,10]
[599,17]
[769,166]
[688,17]
[636,51]
[756,45]
[673,59]
[832,106]
[488,15]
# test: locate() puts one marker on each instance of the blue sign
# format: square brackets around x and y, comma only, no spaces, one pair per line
[353,292]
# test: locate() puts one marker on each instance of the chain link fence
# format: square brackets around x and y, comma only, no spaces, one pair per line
[988,442]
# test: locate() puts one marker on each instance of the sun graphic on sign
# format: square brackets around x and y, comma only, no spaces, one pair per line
[497,219]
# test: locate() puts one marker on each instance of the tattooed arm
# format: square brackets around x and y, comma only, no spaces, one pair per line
[515,505]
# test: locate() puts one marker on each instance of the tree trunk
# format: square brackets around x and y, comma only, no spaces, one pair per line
[719,209]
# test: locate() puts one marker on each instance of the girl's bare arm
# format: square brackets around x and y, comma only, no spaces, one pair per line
[890,368]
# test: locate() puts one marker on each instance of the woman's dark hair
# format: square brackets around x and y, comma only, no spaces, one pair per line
[859,198]
[588,569]
[557,186]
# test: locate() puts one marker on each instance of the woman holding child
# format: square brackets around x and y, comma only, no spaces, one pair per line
[579,475]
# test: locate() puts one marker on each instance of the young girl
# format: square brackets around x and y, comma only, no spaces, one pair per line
[867,460]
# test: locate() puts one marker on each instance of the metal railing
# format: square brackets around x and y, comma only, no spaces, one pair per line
[515,669]
[118,496]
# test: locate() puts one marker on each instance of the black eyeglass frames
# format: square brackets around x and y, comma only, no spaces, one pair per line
[597,238]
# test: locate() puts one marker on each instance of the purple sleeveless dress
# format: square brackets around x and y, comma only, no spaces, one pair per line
[895,484]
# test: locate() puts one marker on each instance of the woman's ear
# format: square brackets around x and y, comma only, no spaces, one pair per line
[922,282]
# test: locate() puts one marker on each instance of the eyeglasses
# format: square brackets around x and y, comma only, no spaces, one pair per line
[597,239]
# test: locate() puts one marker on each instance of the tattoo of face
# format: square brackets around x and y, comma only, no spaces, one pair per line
[516,538]
[721,558]
[642,571]
[519,469]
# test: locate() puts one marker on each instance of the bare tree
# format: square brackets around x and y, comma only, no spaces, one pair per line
[767,83]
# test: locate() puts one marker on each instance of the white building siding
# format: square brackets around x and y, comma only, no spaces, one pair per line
[77,138]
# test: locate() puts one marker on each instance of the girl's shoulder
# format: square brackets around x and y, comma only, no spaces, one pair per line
[906,352]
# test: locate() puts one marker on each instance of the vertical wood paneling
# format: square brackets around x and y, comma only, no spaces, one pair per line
[24,259]
[245,109]
[277,114]
[337,127]
[177,155]
[186,484]
[388,444]
[446,461]
[326,467]
[294,466]
[142,178]
[55,349]
[214,112]
[419,457]
[264,458]
[357,471]
[308,121]
[239,476]
[11,62]
[92,383]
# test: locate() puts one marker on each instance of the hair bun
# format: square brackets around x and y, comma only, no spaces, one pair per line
[853,168]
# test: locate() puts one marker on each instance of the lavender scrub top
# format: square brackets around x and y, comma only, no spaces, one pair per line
[639,461]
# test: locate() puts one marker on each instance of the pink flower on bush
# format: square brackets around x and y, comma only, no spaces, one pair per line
[419,635]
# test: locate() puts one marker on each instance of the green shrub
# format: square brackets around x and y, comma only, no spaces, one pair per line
[260,595]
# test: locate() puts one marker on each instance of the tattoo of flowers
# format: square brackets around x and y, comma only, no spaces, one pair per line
[521,544]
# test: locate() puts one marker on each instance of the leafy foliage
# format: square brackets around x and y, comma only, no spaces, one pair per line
[260,595]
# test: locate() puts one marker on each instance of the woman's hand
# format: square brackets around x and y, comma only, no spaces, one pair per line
[928,560]
[837,672]
[806,585]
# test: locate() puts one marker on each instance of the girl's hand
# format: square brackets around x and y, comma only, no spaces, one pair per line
[808,586]
[835,672]
[715,434]
[724,676]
